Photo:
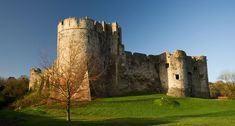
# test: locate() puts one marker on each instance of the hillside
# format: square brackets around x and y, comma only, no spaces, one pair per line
[141,110]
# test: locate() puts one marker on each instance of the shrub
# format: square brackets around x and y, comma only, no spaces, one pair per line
[15,87]
[32,99]
[165,101]
[222,89]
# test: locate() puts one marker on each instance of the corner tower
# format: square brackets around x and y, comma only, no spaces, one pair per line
[73,39]
[177,74]
[72,33]
[97,43]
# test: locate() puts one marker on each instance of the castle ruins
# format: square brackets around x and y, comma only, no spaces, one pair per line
[124,72]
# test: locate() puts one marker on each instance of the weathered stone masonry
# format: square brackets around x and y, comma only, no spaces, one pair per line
[123,72]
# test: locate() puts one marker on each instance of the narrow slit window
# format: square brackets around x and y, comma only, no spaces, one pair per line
[104,64]
[177,77]
[194,68]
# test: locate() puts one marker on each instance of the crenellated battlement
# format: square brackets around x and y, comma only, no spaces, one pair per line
[87,23]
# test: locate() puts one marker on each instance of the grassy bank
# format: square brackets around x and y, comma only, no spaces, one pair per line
[130,110]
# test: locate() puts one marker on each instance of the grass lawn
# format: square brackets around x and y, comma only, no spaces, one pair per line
[143,110]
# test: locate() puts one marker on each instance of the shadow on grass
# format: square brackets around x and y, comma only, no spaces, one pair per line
[212,114]
[129,101]
[13,118]
[124,122]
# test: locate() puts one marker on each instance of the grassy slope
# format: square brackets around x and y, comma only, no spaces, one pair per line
[131,110]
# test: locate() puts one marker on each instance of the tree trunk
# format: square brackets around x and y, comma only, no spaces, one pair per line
[68,110]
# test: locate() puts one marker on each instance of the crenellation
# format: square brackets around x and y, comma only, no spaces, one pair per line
[115,27]
[68,24]
[86,23]
[98,27]
[104,26]
[109,29]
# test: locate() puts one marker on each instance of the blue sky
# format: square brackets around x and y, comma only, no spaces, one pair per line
[200,27]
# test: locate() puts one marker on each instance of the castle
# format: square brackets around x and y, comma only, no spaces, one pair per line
[124,72]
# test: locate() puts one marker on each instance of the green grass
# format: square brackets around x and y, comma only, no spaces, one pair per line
[144,110]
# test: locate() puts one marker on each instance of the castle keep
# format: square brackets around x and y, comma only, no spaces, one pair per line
[124,72]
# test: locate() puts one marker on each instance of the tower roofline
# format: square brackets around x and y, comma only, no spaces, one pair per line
[87,23]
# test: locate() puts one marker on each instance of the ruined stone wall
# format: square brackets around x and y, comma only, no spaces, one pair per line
[35,79]
[163,65]
[138,72]
[123,72]
[175,74]
[200,77]
[112,71]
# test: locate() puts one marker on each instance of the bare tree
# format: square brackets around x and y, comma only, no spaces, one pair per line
[227,77]
[66,78]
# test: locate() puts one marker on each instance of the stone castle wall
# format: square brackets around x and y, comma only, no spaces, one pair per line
[99,43]
[35,79]
[123,72]
[175,74]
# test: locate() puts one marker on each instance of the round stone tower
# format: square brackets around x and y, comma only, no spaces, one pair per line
[177,74]
[73,34]
[73,39]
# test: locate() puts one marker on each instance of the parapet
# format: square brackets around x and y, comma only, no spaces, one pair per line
[73,23]
[199,58]
[87,23]
[139,54]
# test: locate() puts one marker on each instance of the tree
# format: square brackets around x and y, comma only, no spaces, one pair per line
[15,88]
[66,76]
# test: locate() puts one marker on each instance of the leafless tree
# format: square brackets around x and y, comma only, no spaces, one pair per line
[65,78]
[227,77]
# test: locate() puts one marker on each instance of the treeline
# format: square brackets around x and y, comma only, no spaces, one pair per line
[224,87]
[12,89]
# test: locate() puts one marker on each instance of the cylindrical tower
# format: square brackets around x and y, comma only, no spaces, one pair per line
[177,74]
[73,39]
[73,35]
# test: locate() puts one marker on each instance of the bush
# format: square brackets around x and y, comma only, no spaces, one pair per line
[32,99]
[15,87]
[12,89]
[222,89]
[165,101]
